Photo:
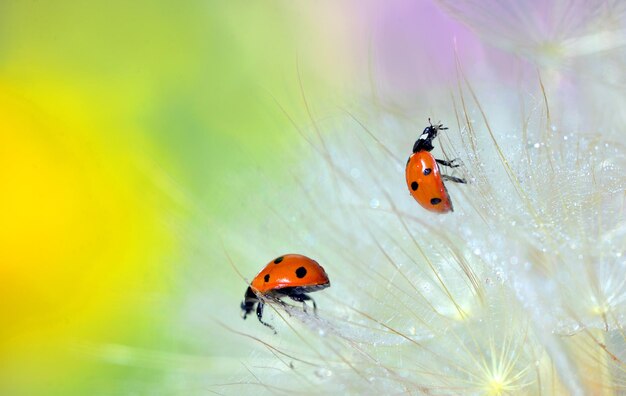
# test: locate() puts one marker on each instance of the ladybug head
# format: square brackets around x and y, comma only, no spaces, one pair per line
[425,141]
[248,303]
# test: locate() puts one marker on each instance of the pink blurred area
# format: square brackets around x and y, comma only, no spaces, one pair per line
[402,53]
[414,43]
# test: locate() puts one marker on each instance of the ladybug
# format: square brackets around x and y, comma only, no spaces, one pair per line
[423,177]
[290,275]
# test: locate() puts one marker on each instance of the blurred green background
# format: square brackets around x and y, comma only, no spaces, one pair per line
[123,126]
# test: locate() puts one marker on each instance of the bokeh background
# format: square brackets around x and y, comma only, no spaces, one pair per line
[130,133]
[123,131]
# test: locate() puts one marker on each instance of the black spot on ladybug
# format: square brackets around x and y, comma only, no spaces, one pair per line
[278,260]
[266,278]
[414,186]
[435,201]
[427,171]
[301,272]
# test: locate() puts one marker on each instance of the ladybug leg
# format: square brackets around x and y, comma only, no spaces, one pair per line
[281,302]
[314,305]
[453,179]
[455,163]
[302,298]
[259,314]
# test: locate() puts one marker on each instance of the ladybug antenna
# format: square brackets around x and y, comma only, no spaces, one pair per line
[438,126]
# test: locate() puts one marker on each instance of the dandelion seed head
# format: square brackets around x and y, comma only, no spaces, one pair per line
[517,290]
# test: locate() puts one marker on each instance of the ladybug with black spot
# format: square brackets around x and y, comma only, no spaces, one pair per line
[423,177]
[290,275]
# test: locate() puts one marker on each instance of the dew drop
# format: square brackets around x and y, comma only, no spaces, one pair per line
[355,173]
[374,203]
[323,373]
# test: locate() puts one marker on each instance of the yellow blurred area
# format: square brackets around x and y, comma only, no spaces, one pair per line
[125,129]
[74,235]
[77,234]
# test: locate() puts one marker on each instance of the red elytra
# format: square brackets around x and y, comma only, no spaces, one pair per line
[290,275]
[425,183]
[290,270]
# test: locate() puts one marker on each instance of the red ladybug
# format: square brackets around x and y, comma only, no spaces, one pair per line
[423,177]
[291,275]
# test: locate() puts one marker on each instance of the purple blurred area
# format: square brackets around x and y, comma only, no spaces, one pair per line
[403,52]
[414,44]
